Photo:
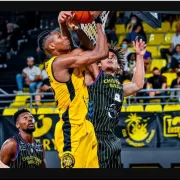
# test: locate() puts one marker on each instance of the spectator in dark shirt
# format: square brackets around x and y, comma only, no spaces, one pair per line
[176,84]
[136,29]
[157,81]
[175,61]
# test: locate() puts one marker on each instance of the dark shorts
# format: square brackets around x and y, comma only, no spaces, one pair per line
[109,150]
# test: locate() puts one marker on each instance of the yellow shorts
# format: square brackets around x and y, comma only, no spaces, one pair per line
[76,145]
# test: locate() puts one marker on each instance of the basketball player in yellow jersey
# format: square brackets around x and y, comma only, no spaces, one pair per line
[74,135]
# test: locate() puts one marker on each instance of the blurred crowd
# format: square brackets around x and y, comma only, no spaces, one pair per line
[13,35]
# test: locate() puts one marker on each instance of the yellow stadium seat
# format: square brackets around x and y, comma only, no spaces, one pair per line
[19,98]
[167,39]
[49,104]
[125,100]
[42,110]
[148,75]
[153,108]
[165,27]
[135,108]
[127,27]
[156,39]
[9,111]
[123,109]
[153,50]
[117,14]
[121,38]
[159,63]
[131,49]
[41,66]
[147,28]
[120,29]
[19,101]
[172,107]
[33,110]
[159,50]
[126,81]
[18,104]
[155,100]
[170,77]
[26,89]
[27,105]
[173,29]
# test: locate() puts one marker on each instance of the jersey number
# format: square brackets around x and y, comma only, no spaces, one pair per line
[117,97]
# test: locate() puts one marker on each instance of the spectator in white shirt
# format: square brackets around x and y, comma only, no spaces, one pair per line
[30,76]
[174,41]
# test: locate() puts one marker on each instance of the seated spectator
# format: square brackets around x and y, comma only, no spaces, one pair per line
[3,53]
[110,28]
[175,60]
[157,81]
[111,36]
[130,66]
[45,87]
[147,61]
[29,77]
[135,29]
[13,35]
[124,46]
[174,41]
[176,84]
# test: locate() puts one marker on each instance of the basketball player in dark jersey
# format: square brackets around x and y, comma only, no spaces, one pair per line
[22,150]
[105,100]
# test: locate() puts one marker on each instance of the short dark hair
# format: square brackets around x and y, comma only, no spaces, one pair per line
[177,45]
[119,54]
[17,113]
[125,40]
[42,38]
[155,68]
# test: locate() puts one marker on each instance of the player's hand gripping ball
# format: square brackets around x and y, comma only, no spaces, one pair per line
[83,17]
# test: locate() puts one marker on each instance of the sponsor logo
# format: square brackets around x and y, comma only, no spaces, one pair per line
[67,160]
[112,112]
[45,128]
[136,132]
[171,126]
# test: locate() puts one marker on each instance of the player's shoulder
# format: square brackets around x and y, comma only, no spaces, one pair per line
[11,143]
[76,51]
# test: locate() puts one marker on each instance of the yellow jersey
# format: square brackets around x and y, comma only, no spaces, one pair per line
[71,96]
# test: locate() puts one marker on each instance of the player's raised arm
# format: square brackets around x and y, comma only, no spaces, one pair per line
[138,78]
[62,19]
[87,57]
[84,39]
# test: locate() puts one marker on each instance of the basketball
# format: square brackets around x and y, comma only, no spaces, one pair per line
[83,17]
